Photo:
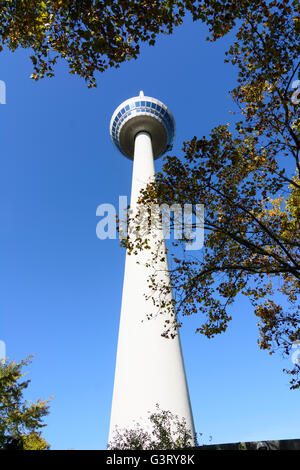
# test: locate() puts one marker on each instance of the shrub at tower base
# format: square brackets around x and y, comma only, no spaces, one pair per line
[166,432]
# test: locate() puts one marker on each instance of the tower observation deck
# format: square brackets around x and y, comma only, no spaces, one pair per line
[149,367]
[142,113]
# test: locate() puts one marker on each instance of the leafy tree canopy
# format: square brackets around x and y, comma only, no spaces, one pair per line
[89,35]
[92,35]
[20,421]
[248,177]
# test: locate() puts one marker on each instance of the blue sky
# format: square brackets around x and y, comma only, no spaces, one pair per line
[61,286]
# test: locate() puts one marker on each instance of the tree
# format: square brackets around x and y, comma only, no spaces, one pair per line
[248,177]
[20,421]
[167,432]
[92,35]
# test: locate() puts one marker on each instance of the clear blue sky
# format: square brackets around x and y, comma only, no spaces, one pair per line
[61,286]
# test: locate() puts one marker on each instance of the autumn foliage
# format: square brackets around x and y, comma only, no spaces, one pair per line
[248,177]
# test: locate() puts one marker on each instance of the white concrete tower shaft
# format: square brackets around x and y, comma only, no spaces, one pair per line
[149,367]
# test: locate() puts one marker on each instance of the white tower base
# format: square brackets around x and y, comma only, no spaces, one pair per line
[149,368]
